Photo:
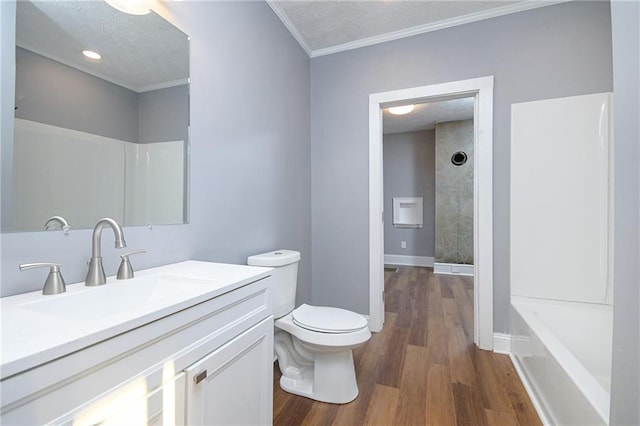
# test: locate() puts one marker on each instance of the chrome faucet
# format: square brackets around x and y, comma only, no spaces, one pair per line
[53,220]
[57,220]
[96,275]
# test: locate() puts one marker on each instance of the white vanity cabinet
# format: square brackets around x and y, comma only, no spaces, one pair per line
[210,363]
[228,386]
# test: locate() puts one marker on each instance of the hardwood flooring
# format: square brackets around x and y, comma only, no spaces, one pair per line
[422,368]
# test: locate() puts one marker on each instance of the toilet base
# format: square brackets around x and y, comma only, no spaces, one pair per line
[325,376]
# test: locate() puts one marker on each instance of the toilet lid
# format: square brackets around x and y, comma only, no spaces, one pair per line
[328,320]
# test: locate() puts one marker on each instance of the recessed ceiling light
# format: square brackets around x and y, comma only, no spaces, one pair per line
[92,55]
[132,7]
[401,110]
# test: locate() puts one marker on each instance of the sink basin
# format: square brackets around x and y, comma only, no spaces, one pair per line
[37,329]
[141,293]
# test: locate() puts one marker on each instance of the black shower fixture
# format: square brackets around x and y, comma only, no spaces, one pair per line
[459,158]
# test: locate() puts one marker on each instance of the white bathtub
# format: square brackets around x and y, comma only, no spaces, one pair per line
[563,353]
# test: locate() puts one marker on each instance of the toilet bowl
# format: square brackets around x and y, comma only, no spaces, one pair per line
[313,344]
[316,358]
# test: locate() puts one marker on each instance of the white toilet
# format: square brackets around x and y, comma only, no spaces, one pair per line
[312,343]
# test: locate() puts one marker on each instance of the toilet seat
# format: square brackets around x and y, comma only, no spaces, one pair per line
[325,319]
[330,340]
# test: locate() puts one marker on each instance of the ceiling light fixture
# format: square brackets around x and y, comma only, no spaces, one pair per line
[92,55]
[401,110]
[132,7]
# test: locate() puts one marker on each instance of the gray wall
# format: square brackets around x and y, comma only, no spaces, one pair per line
[7,90]
[53,93]
[250,174]
[163,115]
[408,162]
[250,171]
[625,381]
[550,52]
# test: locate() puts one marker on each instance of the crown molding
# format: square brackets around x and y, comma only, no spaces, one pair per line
[164,85]
[289,25]
[421,29]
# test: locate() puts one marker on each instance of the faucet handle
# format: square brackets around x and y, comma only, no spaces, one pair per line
[125,271]
[133,252]
[54,283]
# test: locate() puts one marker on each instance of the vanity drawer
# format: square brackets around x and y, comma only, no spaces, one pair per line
[67,384]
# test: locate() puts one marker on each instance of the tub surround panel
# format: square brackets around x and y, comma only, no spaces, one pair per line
[454,193]
[137,184]
[560,185]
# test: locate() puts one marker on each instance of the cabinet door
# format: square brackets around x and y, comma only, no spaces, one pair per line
[233,385]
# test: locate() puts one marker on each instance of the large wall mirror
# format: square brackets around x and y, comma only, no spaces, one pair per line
[103,137]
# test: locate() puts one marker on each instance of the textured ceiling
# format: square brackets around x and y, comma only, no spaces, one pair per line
[426,115]
[138,52]
[330,26]
[323,27]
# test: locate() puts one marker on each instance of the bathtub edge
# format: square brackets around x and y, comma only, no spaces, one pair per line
[579,378]
[528,387]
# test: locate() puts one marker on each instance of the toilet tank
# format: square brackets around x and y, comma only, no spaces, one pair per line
[284,278]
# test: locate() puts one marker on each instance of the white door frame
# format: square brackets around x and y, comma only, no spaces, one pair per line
[482,89]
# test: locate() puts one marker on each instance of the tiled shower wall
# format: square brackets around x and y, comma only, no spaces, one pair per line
[454,193]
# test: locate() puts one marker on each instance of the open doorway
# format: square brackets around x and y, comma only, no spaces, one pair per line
[428,185]
[481,89]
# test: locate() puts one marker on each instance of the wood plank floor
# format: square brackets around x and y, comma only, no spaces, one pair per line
[423,368]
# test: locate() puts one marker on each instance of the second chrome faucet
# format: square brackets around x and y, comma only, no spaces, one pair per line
[96,275]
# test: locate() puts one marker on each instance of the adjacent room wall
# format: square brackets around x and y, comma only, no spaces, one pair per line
[250,161]
[409,172]
[550,52]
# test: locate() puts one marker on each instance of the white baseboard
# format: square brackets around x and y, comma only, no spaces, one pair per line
[452,269]
[502,343]
[395,259]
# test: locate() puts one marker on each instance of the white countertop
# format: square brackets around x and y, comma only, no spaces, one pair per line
[37,329]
